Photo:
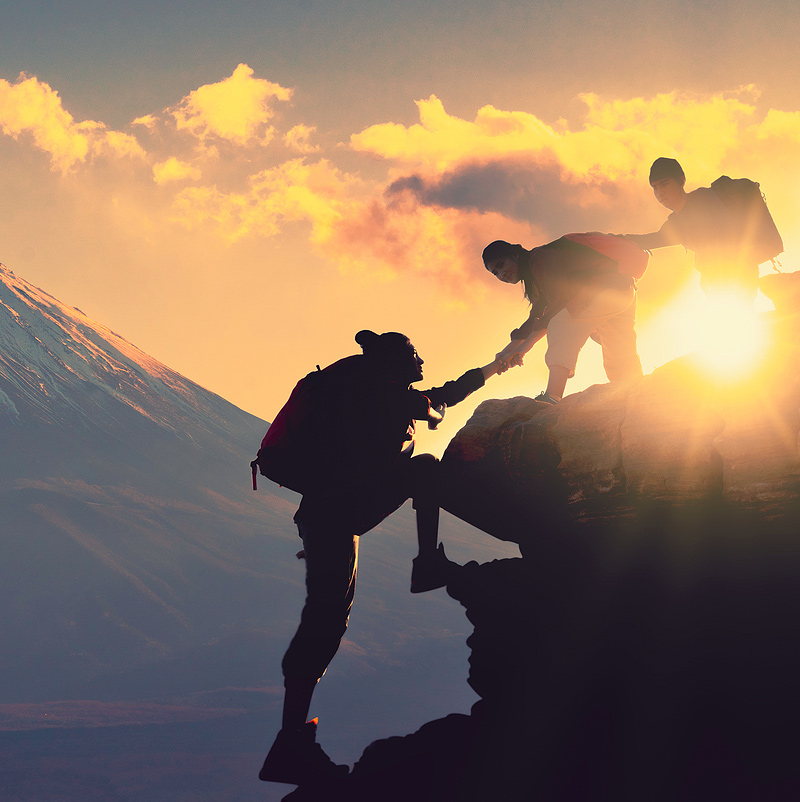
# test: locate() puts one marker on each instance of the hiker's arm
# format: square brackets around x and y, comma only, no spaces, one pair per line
[497,367]
[647,241]
[453,392]
[518,338]
[667,235]
[514,353]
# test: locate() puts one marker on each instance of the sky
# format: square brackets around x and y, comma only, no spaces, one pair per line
[239,188]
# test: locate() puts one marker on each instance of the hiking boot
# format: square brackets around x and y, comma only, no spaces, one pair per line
[429,573]
[545,398]
[297,758]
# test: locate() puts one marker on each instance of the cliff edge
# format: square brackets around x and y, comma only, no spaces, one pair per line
[644,646]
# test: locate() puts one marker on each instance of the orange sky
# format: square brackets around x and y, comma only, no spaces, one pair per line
[236,222]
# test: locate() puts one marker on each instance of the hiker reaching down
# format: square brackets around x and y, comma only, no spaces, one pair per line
[579,285]
[359,470]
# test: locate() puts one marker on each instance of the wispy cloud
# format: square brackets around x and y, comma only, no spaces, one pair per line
[315,192]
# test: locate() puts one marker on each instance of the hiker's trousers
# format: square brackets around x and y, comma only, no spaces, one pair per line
[610,319]
[330,528]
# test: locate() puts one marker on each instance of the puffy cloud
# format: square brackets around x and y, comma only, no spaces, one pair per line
[32,107]
[174,169]
[780,125]
[297,139]
[236,109]
[440,140]
[590,176]
[617,139]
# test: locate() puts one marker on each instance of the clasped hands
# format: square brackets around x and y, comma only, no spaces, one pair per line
[509,360]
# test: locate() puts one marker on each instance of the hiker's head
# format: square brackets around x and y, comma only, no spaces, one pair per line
[667,180]
[509,263]
[502,260]
[391,353]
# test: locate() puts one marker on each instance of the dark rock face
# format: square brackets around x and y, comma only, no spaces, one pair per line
[644,646]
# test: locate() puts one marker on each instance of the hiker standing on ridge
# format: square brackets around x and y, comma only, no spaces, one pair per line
[701,222]
[362,471]
[579,285]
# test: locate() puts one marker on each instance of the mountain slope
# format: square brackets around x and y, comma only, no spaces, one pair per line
[129,530]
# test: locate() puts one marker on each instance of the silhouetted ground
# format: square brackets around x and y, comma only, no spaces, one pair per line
[660,666]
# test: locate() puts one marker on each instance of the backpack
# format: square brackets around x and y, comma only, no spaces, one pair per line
[631,259]
[295,451]
[759,235]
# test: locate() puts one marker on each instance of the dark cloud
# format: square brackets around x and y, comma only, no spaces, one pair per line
[527,192]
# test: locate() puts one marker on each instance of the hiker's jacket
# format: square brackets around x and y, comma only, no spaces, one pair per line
[372,419]
[567,275]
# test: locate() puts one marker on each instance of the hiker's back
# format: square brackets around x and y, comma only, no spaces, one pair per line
[757,237]
[340,423]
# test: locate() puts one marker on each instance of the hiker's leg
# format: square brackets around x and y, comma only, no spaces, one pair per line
[566,336]
[331,569]
[617,338]
[431,568]
[567,333]
[557,381]
[423,489]
[297,695]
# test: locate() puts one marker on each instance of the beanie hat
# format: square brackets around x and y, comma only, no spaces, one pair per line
[666,168]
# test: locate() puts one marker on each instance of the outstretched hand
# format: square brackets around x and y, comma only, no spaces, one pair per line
[501,364]
[436,415]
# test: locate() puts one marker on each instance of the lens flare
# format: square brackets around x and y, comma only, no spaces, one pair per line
[731,337]
[728,335]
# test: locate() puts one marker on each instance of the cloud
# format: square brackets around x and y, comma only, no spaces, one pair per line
[440,140]
[236,109]
[31,107]
[296,190]
[450,184]
[454,185]
[174,169]
[558,177]
[616,140]
[148,121]
[518,190]
[296,139]
[780,125]
[397,234]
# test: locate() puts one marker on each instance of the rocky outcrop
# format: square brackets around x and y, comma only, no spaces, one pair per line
[675,439]
[644,646]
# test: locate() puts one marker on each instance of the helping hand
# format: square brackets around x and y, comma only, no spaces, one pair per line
[436,415]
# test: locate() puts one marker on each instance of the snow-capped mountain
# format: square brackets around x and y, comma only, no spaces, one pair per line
[129,533]
[59,367]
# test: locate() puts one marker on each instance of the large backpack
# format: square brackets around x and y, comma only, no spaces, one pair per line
[759,236]
[631,259]
[296,450]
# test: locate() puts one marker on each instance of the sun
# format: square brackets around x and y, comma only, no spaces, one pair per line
[726,335]
[731,337]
